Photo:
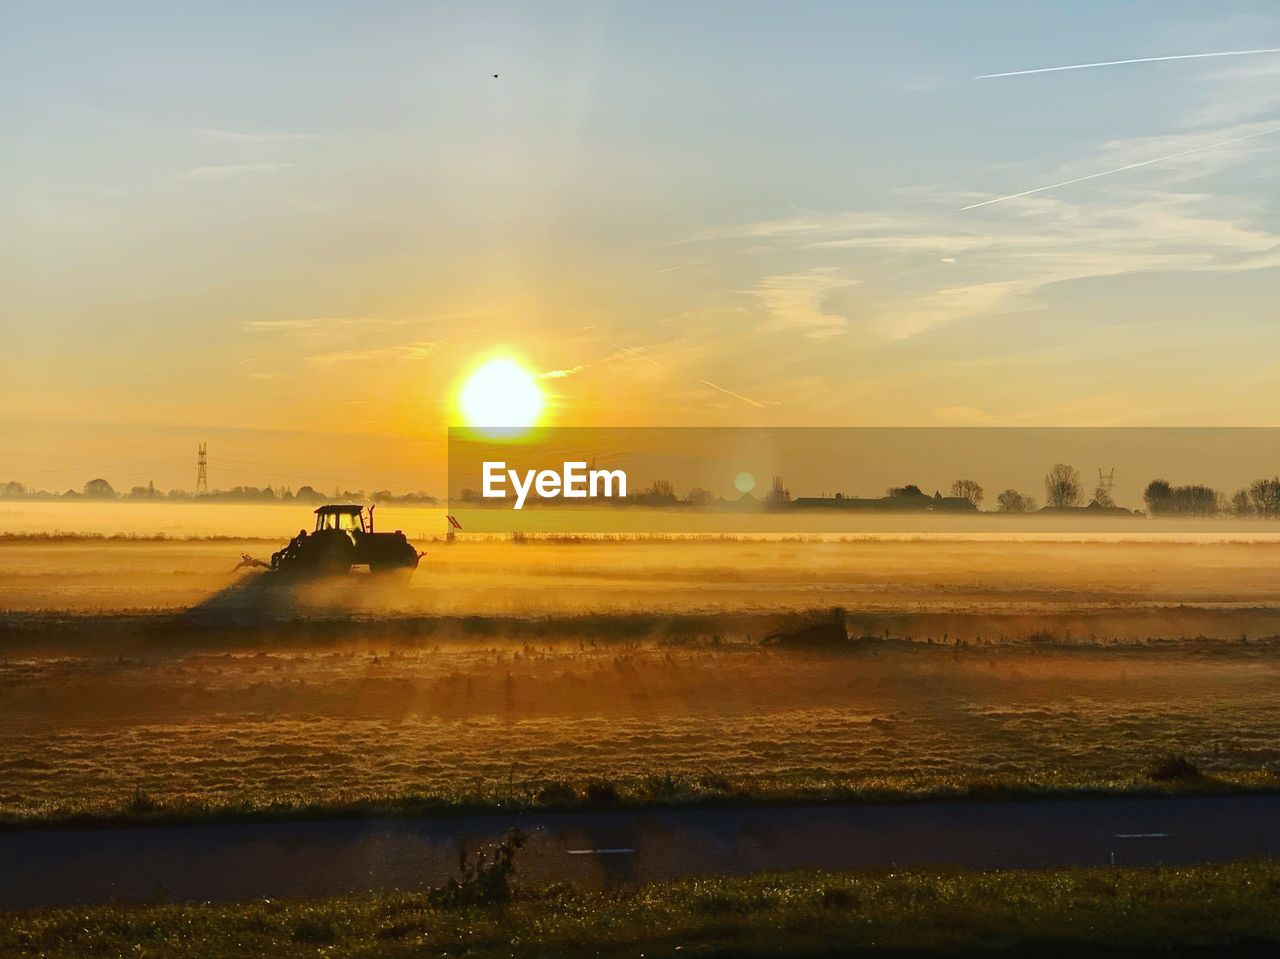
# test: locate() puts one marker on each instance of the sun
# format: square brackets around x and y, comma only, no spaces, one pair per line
[501,394]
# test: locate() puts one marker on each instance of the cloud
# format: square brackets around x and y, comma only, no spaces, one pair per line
[405,351]
[226,171]
[1137,164]
[929,266]
[242,138]
[324,324]
[1187,144]
[1238,94]
[963,414]
[561,374]
[794,301]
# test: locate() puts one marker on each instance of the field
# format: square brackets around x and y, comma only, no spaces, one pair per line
[1196,911]
[142,677]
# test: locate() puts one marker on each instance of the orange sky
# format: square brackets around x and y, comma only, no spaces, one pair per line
[290,236]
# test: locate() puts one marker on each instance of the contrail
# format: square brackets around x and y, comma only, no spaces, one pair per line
[737,396]
[1119,169]
[636,353]
[640,356]
[1118,63]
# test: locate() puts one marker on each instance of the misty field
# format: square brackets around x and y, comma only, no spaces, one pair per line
[144,677]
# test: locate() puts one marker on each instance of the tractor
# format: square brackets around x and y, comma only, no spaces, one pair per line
[343,538]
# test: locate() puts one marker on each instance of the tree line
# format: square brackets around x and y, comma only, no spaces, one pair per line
[1063,489]
[101,490]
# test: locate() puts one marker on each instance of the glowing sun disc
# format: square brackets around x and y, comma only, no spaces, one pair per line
[501,394]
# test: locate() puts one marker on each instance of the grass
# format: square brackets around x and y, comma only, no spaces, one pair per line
[319,732]
[1198,910]
[665,790]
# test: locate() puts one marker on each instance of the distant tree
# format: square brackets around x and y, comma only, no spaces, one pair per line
[1265,495]
[1158,496]
[911,489]
[1062,486]
[99,489]
[699,497]
[1192,500]
[660,493]
[1011,501]
[1240,505]
[968,489]
[1196,500]
[13,489]
[308,494]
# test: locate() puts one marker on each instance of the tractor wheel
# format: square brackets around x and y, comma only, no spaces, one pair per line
[397,567]
[336,559]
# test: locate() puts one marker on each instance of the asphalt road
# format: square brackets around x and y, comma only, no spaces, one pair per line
[49,867]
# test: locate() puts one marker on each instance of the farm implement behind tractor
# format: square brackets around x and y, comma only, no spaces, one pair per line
[342,539]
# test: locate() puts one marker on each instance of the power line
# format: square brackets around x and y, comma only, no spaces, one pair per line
[341,471]
[92,469]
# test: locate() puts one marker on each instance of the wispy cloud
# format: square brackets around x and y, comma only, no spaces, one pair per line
[405,351]
[963,414]
[794,301]
[1045,241]
[324,324]
[561,374]
[1121,169]
[243,138]
[226,171]
[928,264]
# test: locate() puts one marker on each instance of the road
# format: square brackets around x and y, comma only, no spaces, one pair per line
[50,867]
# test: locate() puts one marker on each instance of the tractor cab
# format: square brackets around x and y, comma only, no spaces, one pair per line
[347,517]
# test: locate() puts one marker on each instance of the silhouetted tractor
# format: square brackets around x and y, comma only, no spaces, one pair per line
[343,538]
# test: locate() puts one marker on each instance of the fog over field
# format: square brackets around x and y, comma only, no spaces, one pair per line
[524,671]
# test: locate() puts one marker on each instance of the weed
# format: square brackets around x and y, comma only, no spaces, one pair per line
[488,880]
[1174,768]
[601,792]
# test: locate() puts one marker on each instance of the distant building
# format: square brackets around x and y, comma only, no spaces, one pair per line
[902,499]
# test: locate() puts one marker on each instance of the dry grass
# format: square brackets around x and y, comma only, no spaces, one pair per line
[519,674]
[1190,911]
[474,721]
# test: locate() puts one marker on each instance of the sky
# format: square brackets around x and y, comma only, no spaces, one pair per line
[290,229]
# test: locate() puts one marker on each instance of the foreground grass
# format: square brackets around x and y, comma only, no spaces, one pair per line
[1210,910]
